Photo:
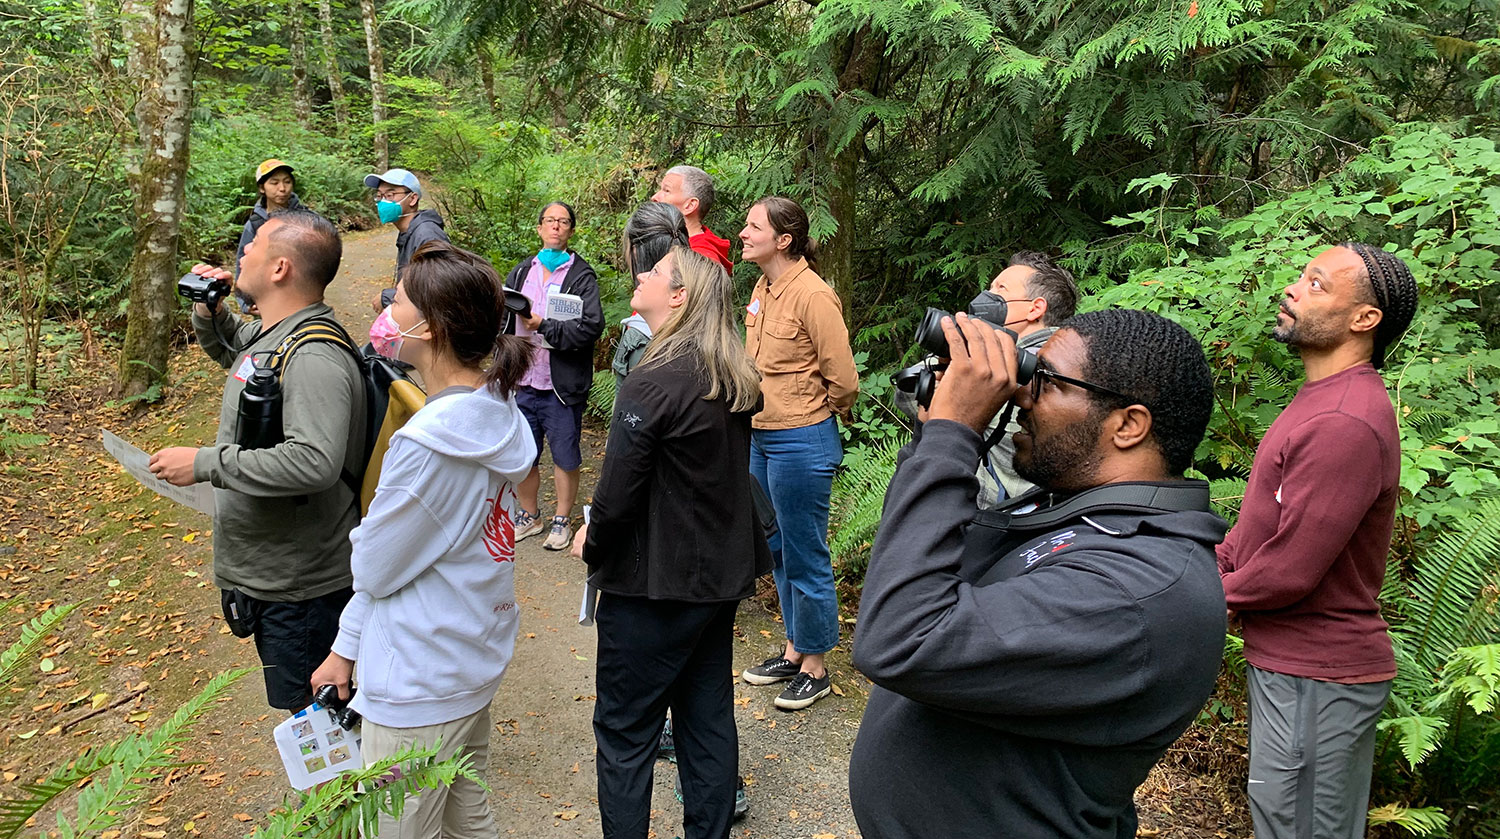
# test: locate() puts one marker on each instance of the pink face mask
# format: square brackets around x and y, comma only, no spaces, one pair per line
[386,337]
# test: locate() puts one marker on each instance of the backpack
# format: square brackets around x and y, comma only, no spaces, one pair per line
[391,397]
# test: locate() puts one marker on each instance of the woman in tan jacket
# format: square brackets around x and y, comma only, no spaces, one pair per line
[794,330]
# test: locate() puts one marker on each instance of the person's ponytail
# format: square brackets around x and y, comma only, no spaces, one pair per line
[509,361]
[788,218]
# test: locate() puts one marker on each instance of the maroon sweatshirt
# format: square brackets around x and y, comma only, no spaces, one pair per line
[1303,565]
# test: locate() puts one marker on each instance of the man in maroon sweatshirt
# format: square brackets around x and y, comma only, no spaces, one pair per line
[1304,564]
[691,190]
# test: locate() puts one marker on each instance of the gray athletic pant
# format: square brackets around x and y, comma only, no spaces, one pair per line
[1311,746]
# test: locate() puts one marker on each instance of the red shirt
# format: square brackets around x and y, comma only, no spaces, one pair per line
[1304,564]
[712,247]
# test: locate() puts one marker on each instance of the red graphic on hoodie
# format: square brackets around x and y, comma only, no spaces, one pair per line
[499,531]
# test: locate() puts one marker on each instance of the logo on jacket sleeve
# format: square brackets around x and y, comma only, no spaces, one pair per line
[1047,547]
[499,530]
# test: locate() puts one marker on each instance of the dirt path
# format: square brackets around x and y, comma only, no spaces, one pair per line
[74,529]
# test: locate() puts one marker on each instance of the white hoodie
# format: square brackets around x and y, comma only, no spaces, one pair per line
[433,620]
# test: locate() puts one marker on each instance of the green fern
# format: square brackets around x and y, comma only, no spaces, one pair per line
[601,402]
[857,503]
[353,800]
[130,764]
[1418,821]
[1443,607]
[32,636]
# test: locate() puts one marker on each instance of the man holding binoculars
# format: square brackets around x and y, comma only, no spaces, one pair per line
[1056,646]
[282,514]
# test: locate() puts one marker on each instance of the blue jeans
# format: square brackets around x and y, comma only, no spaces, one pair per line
[795,467]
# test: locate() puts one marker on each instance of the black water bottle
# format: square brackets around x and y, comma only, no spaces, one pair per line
[260,410]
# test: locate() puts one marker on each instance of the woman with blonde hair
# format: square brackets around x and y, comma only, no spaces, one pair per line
[673,546]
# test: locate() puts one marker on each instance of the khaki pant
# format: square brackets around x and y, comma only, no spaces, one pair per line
[461,811]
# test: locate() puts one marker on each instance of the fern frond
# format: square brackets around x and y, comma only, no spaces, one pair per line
[354,800]
[138,759]
[1419,735]
[1418,821]
[1445,588]
[857,502]
[32,635]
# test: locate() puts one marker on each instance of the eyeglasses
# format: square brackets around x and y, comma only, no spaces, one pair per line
[1048,373]
[556,222]
[392,196]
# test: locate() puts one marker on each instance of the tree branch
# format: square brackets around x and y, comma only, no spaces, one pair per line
[692,21]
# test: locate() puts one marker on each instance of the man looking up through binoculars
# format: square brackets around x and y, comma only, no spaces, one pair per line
[1053,648]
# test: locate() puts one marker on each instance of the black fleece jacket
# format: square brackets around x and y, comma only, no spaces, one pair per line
[672,517]
[572,353]
[426,226]
[1026,682]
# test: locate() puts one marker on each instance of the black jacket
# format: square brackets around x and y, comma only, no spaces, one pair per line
[426,226]
[672,517]
[1026,682]
[572,355]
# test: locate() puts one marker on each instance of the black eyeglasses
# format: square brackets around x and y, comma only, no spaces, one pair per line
[1048,373]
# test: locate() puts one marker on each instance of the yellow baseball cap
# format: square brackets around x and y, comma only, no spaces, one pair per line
[265,169]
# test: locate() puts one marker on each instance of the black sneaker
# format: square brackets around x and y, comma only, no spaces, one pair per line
[804,690]
[771,671]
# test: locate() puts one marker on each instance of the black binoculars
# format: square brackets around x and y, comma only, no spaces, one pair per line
[203,290]
[920,379]
[328,697]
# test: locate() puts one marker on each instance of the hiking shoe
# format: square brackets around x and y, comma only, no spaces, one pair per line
[561,535]
[665,747]
[804,690]
[771,671]
[526,524]
[741,803]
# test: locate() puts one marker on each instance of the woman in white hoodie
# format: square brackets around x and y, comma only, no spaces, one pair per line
[433,619]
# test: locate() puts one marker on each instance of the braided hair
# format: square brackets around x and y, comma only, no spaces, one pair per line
[1157,364]
[1394,290]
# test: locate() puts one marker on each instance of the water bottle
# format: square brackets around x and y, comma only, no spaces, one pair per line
[259,420]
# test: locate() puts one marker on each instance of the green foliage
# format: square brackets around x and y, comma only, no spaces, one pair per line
[857,502]
[33,635]
[126,766]
[601,402]
[15,403]
[1418,821]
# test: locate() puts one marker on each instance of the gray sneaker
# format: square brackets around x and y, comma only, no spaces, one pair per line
[804,690]
[526,525]
[772,670]
[560,537]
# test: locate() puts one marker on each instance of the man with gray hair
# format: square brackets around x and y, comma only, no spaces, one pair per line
[691,190]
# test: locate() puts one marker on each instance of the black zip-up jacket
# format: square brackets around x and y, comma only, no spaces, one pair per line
[1025,683]
[572,353]
[672,516]
[426,226]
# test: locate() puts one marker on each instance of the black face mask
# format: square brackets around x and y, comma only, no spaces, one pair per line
[989,307]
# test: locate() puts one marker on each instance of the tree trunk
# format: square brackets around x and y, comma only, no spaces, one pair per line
[836,262]
[377,84]
[331,64]
[301,98]
[161,47]
[486,75]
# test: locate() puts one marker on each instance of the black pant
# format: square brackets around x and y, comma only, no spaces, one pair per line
[654,655]
[292,640]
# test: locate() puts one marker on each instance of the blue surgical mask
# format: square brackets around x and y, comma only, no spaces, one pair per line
[551,259]
[388,211]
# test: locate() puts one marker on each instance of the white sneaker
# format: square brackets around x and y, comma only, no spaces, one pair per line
[561,535]
[527,525]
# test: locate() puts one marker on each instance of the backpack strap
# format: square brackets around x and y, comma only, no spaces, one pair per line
[319,330]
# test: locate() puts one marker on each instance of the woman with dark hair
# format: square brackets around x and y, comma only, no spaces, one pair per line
[433,619]
[277,184]
[651,231]
[794,329]
[673,547]
[556,388]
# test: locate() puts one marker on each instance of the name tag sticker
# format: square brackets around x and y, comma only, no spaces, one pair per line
[245,369]
[754,307]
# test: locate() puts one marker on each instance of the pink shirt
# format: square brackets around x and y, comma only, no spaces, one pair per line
[539,283]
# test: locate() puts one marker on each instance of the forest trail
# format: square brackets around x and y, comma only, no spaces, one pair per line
[149,623]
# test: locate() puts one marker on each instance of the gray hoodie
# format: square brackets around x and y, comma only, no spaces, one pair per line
[433,620]
[426,226]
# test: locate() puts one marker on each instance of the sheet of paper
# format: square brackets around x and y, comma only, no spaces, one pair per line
[590,604]
[199,496]
[314,747]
